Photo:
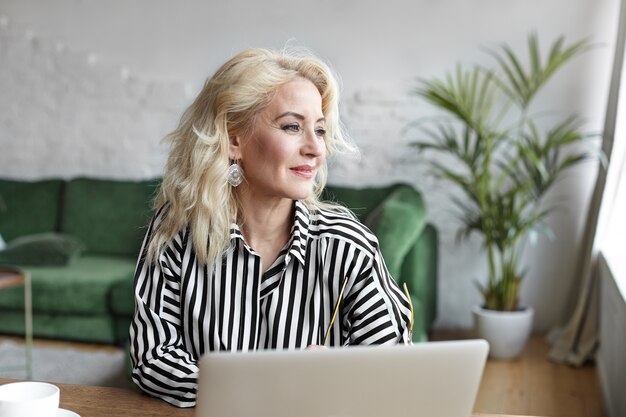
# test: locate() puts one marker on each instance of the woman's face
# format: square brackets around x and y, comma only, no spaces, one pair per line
[287,146]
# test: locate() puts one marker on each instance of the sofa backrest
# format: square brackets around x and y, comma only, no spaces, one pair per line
[395,214]
[29,207]
[362,201]
[108,216]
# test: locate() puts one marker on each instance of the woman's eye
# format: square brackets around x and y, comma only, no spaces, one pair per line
[320,131]
[291,128]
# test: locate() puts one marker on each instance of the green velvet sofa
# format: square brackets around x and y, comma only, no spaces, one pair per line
[73,301]
[90,298]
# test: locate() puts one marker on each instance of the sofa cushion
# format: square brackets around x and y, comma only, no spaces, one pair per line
[108,216]
[28,207]
[50,249]
[82,288]
[81,328]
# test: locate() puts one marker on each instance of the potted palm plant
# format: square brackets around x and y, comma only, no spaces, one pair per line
[504,162]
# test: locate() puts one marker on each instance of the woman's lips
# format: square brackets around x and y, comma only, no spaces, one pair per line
[304,171]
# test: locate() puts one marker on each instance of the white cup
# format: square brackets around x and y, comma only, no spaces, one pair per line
[29,399]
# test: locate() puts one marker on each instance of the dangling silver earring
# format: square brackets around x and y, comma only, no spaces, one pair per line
[235,174]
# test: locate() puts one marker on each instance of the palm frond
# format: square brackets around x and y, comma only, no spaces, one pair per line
[467,95]
[523,84]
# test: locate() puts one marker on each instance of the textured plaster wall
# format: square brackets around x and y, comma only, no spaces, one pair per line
[63,113]
[78,98]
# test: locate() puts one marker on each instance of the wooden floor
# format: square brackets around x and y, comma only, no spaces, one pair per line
[532,385]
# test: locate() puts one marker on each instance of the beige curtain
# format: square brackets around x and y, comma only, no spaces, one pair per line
[578,339]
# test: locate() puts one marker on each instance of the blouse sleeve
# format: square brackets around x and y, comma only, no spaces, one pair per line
[378,311]
[162,367]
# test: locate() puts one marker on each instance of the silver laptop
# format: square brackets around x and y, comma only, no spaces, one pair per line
[438,379]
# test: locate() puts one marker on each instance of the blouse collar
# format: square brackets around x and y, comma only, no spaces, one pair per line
[299,233]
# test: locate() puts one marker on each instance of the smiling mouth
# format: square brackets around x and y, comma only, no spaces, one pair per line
[304,171]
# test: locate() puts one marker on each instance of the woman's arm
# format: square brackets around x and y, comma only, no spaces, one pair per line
[162,367]
[377,311]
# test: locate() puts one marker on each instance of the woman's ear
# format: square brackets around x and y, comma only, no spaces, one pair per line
[234,147]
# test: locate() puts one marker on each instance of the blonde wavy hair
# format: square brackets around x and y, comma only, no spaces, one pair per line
[194,192]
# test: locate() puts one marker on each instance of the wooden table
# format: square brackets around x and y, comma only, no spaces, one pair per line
[89,401]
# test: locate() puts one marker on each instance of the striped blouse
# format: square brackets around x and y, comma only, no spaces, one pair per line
[183,310]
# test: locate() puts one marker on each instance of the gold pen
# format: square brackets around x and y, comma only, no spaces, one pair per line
[406,291]
[332,320]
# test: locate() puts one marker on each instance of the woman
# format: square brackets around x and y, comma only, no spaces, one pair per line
[241,254]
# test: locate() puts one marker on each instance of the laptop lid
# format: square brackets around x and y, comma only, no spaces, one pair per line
[427,379]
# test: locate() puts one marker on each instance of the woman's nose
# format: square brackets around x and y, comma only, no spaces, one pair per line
[315,145]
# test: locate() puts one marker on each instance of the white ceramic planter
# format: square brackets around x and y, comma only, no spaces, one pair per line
[506,331]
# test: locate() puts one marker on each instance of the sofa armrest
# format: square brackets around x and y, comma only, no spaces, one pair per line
[397,222]
[410,248]
[420,272]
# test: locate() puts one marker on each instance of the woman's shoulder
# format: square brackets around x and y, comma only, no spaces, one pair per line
[160,223]
[335,222]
